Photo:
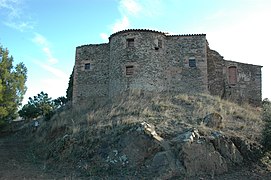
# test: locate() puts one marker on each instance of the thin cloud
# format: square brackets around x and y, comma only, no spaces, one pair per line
[43,42]
[54,71]
[126,8]
[40,40]
[14,15]
[49,55]
[121,24]
[134,8]
[141,8]
[11,7]
[104,36]
[20,26]
[130,6]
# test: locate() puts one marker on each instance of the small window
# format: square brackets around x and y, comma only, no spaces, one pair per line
[87,66]
[192,63]
[129,70]
[130,42]
[232,75]
[159,43]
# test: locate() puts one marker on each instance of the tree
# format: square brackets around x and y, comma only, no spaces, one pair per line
[267,127]
[12,86]
[69,90]
[29,111]
[60,101]
[41,105]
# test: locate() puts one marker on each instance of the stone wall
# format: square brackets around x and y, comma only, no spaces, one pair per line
[147,59]
[216,77]
[164,68]
[182,77]
[91,81]
[246,89]
[153,61]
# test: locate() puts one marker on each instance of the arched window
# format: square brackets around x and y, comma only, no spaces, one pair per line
[232,70]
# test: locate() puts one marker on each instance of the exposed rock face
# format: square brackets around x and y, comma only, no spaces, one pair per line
[142,152]
[202,158]
[190,154]
[228,149]
[251,152]
[137,147]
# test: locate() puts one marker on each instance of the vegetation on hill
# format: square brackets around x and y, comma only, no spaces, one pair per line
[93,138]
[41,105]
[12,86]
[267,128]
[69,90]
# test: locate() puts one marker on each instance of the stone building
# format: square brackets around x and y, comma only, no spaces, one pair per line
[154,61]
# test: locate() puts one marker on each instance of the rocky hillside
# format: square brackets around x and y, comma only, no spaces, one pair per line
[147,136]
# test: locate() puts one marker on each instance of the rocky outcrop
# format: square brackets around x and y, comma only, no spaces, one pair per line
[250,151]
[201,159]
[140,151]
[228,149]
[193,154]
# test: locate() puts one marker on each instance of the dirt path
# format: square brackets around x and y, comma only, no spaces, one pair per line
[16,161]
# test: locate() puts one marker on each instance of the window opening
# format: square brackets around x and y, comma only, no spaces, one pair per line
[192,63]
[159,43]
[131,42]
[232,75]
[129,70]
[87,66]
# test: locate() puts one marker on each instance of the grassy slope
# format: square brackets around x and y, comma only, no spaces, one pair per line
[78,132]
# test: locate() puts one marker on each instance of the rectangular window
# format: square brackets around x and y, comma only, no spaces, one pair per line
[131,42]
[159,43]
[87,66]
[129,70]
[232,75]
[192,63]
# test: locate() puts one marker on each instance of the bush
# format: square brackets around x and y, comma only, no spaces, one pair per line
[267,128]
[41,105]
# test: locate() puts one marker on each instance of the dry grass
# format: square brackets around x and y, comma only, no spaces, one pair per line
[77,133]
[170,113]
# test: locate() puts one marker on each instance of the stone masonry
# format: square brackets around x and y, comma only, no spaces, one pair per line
[154,61]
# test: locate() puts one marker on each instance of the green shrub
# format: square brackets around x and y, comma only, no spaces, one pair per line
[267,128]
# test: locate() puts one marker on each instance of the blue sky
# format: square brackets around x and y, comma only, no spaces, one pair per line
[44,33]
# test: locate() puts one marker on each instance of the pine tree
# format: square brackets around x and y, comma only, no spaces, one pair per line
[12,86]
[267,127]
[69,90]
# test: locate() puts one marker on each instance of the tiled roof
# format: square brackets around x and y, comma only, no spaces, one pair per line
[102,44]
[135,30]
[187,35]
[142,30]
[153,31]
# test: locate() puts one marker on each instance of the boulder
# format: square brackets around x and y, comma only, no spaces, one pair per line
[137,147]
[227,149]
[250,151]
[202,159]
[213,120]
[165,165]
[188,136]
